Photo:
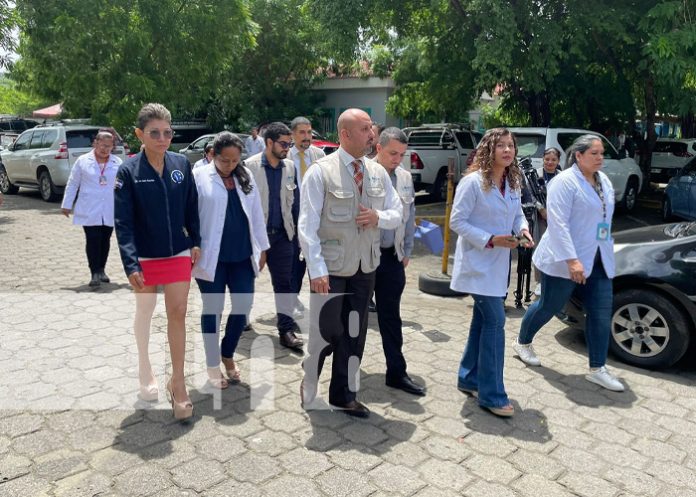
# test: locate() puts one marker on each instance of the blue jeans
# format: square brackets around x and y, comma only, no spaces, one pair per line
[481,367]
[238,277]
[597,300]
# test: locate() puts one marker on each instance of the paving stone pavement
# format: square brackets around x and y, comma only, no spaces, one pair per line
[71,425]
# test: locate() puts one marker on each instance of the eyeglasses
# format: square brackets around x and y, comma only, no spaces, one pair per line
[284,145]
[156,134]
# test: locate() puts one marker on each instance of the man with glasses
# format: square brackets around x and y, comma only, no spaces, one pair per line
[277,183]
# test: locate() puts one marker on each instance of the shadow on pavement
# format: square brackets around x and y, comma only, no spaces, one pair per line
[529,425]
[103,288]
[152,433]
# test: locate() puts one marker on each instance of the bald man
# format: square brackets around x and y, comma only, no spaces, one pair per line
[346,199]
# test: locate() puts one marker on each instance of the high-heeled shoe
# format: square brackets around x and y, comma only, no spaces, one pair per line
[232,370]
[149,393]
[182,410]
[216,379]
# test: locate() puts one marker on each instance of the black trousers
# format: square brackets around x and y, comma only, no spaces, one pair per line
[390,282]
[338,326]
[279,259]
[299,267]
[98,244]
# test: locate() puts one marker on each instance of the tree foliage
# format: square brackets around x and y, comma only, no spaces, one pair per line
[106,58]
[8,22]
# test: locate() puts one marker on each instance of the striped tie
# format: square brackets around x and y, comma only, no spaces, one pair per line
[358,175]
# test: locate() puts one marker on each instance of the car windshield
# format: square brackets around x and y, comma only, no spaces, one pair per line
[674,148]
[530,145]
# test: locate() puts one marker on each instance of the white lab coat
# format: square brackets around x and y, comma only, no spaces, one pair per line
[95,203]
[573,212]
[212,208]
[476,216]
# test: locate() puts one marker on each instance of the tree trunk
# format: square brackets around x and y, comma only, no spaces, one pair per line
[539,109]
[688,126]
[649,143]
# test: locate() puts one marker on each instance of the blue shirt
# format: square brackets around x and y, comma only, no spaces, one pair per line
[235,245]
[274,176]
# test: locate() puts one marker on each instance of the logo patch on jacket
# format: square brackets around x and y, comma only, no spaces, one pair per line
[118,184]
[177,176]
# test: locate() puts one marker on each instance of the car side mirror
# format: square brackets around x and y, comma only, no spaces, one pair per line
[687,178]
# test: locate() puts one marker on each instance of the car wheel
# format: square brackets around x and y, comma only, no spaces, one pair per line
[47,188]
[630,198]
[436,283]
[648,330]
[6,187]
[438,192]
[667,214]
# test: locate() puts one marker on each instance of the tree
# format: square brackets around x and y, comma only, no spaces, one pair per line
[8,22]
[270,81]
[105,58]
[14,101]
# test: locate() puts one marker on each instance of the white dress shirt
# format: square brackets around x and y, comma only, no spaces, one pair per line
[312,202]
[95,203]
[254,146]
[574,210]
[312,154]
[476,216]
[201,162]
[212,209]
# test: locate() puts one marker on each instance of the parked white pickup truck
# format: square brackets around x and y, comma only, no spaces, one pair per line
[429,148]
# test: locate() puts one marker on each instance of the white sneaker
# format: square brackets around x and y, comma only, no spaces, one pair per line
[297,313]
[537,290]
[604,378]
[526,354]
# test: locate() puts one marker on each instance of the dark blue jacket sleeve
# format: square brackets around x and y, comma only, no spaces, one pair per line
[124,221]
[193,225]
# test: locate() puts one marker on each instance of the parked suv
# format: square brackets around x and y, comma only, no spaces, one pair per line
[14,124]
[41,158]
[429,148]
[625,175]
[196,149]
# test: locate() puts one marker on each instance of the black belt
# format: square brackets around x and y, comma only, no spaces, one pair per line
[388,250]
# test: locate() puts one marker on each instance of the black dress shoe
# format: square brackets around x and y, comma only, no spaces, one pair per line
[104,278]
[95,281]
[248,327]
[406,384]
[291,341]
[353,408]
[371,306]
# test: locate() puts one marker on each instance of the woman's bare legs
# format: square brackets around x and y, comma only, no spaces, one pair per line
[145,301]
[176,301]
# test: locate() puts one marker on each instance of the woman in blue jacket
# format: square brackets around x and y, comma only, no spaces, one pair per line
[487,210]
[157,227]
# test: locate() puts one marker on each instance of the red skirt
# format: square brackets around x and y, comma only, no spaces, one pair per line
[167,270]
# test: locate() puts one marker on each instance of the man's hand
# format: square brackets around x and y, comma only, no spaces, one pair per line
[405,262]
[136,280]
[320,285]
[66,212]
[262,261]
[195,255]
[506,241]
[367,217]
[576,270]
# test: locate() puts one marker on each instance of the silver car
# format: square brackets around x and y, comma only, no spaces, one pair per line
[41,158]
[195,151]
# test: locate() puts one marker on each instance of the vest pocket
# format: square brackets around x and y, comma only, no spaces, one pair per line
[340,206]
[333,254]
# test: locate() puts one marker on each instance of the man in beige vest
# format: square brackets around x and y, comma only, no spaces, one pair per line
[276,180]
[303,154]
[346,199]
[396,246]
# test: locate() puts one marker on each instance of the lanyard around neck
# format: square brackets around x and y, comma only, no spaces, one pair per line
[600,192]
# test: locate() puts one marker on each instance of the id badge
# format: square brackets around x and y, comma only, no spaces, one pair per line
[602,231]
[102,180]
